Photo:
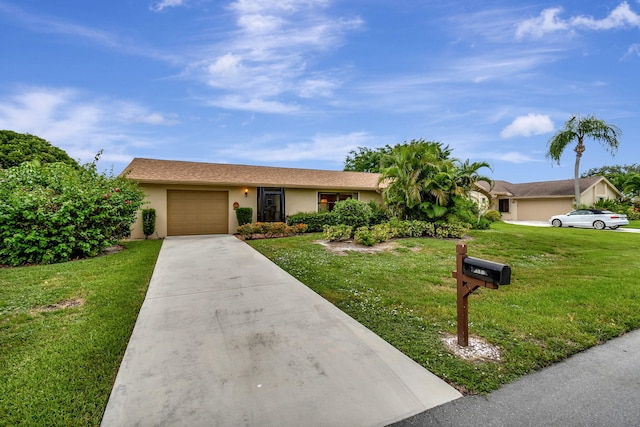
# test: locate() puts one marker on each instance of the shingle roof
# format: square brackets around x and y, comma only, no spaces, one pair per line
[562,188]
[196,173]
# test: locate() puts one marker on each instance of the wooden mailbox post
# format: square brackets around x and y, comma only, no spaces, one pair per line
[471,273]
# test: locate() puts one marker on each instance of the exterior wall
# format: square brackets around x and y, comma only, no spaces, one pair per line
[602,190]
[156,198]
[296,200]
[482,202]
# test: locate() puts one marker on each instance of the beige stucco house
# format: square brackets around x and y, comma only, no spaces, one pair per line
[200,198]
[537,201]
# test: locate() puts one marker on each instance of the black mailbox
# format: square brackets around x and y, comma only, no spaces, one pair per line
[489,271]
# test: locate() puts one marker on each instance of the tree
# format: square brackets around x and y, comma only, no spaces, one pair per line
[425,182]
[17,148]
[55,212]
[576,129]
[626,178]
[366,159]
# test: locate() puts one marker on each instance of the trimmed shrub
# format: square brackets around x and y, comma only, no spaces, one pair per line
[269,230]
[364,236]
[352,212]
[148,222]
[378,213]
[300,228]
[315,221]
[244,215]
[334,233]
[56,212]
[246,231]
[278,229]
[381,232]
[493,215]
[450,231]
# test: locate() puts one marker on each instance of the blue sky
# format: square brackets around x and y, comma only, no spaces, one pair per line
[300,83]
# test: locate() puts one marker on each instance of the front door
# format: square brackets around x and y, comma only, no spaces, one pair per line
[271,204]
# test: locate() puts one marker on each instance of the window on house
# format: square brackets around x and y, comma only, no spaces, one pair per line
[503,205]
[326,201]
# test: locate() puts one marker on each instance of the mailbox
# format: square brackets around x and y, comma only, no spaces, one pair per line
[489,271]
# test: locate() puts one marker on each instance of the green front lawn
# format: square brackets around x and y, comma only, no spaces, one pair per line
[635,223]
[63,332]
[571,289]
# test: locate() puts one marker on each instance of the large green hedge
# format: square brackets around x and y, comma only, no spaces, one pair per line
[57,212]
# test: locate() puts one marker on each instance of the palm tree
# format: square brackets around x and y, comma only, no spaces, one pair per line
[631,185]
[424,181]
[578,128]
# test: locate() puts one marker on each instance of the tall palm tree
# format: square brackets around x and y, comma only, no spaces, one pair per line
[576,129]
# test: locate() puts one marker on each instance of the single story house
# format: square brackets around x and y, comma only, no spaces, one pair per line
[201,198]
[538,201]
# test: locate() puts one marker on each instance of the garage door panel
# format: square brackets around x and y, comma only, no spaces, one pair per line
[541,210]
[197,212]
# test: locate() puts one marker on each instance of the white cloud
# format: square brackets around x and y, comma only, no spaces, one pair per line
[620,17]
[258,105]
[515,157]
[531,124]
[271,53]
[549,21]
[320,147]
[79,124]
[634,50]
[163,4]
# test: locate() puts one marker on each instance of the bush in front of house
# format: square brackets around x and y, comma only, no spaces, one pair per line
[378,213]
[244,215]
[493,215]
[396,228]
[352,212]
[148,222]
[267,230]
[364,236]
[56,212]
[315,221]
[336,233]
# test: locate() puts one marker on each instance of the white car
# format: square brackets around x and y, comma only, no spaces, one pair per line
[596,218]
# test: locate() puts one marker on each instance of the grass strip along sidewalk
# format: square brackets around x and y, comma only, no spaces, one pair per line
[64,329]
[570,289]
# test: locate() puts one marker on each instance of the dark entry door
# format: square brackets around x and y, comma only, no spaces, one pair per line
[271,204]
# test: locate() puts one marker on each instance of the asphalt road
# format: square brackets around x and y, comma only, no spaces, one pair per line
[598,387]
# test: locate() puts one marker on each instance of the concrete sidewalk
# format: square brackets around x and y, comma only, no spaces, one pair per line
[225,337]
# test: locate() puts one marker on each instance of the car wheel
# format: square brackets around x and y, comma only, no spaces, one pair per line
[556,223]
[599,225]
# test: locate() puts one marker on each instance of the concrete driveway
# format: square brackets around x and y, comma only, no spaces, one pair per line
[227,338]
[546,224]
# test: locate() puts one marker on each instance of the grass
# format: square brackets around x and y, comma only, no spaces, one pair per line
[634,223]
[63,332]
[571,289]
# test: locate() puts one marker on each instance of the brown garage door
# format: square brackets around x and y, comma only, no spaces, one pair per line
[197,212]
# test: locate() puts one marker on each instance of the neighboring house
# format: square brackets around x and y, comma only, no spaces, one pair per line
[537,201]
[200,198]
